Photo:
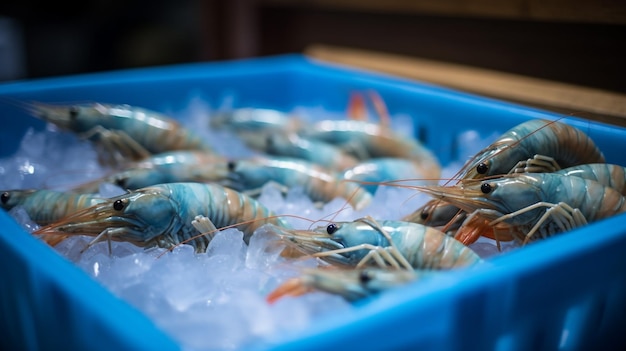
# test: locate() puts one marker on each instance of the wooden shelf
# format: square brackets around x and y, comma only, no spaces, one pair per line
[569,99]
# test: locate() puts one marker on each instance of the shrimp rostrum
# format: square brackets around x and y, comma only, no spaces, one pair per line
[166,215]
[534,205]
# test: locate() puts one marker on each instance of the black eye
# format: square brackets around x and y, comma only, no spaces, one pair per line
[73,112]
[331,228]
[118,205]
[5,197]
[486,188]
[121,182]
[232,165]
[424,215]
[365,277]
[482,168]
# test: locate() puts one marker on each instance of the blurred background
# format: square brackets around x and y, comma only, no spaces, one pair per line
[578,42]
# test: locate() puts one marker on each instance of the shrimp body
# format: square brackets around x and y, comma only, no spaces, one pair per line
[284,144]
[178,158]
[439,213]
[254,120]
[370,140]
[168,167]
[610,175]
[542,203]
[351,284]
[317,182]
[46,206]
[131,131]
[163,215]
[388,243]
[566,145]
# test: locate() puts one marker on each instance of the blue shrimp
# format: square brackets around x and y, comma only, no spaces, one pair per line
[368,140]
[317,182]
[166,215]
[388,243]
[124,132]
[533,205]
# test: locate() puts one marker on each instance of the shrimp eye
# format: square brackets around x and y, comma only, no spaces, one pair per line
[121,182]
[365,277]
[331,228]
[73,112]
[232,165]
[482,168]
[5,197]
[118,205]
[486,188]
[424,215]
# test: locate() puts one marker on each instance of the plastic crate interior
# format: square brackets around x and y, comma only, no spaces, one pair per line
[567,292]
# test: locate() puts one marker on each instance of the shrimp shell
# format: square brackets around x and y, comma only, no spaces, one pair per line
[413,246]
[163,215]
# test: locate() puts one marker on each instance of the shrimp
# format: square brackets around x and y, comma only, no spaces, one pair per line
[244,120]
[47,206]
[388,243]
[439,213]
[535,205]
[168,167]
[317,182]
[123,132]
[165,215]
[368,140]
[281,143]
[351,284]
[533,146]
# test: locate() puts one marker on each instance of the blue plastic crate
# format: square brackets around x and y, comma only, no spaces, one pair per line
[566,293]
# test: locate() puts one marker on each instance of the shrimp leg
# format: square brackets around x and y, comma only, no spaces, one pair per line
[203,224]
[564,216]
[116,143]
[536,164]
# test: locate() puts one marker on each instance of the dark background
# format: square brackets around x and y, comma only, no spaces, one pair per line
[546,39]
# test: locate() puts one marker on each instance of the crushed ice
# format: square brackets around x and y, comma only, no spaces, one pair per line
[214,300]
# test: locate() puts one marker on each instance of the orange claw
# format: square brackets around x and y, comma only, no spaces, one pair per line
[472,229]
[292,287]
[380,107]
[476,226]
[356,107]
